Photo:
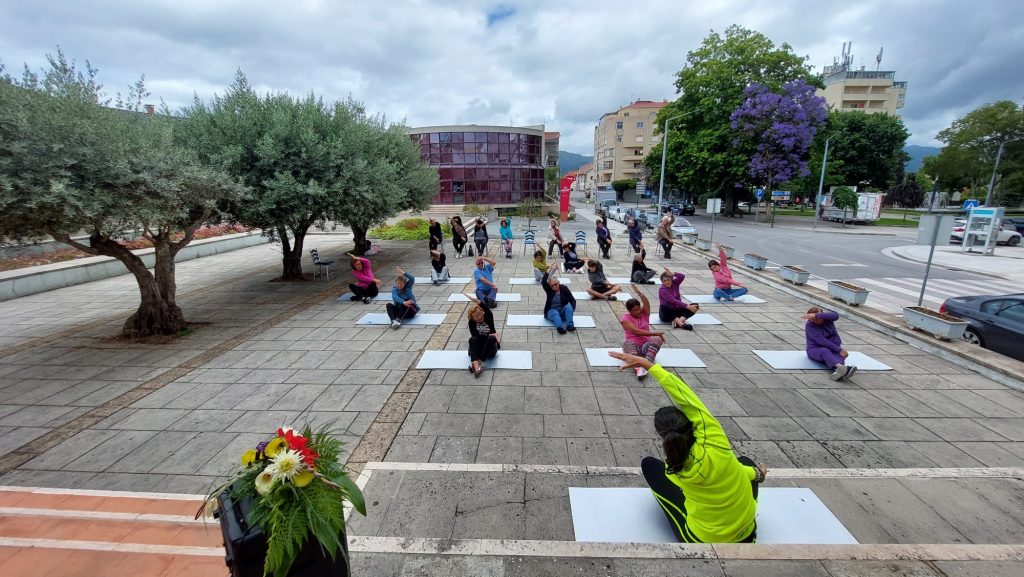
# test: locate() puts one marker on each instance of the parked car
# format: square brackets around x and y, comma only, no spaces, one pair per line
[996,322]
[1016,223]
[687,209]
[682,227]
[1006,236]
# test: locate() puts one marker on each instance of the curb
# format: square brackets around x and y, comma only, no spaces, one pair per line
[999,368]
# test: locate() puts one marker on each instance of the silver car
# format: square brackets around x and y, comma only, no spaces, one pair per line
[682,227]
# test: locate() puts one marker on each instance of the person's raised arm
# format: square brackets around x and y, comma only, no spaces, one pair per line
[646,304]
[489,260]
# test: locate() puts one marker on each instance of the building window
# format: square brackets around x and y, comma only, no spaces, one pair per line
[618,139]
[618,125]
[626,114]
[639,124]
[639,138]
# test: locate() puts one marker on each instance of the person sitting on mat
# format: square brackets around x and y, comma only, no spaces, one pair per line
[604,238]
[486,290]
[480,236]
[600,288]
[484,340]
[723,278]
[639,338]
[540,264]
[560,304]
[438,269]
[635,234]
[459,237]
[403,306]
[572,260]
[366,286]
[671,306]
[665,234]
[505,228]
[640,273]
[436,235]
[824,344]
[708,494]
[556,238]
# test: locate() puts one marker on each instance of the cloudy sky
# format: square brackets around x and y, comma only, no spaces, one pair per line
[558,62]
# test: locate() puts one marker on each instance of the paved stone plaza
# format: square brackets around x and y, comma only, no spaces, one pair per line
[80,409]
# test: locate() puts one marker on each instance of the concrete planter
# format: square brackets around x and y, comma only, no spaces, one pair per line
[26,281]
[729,251]
[794,274]
[703,244]
[755,261]
[942,326]
[689,239]
[848,293]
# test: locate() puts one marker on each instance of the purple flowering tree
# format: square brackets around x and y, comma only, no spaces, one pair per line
[779,127]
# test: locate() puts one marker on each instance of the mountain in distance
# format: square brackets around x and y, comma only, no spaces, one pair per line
[570,161]
[917,156]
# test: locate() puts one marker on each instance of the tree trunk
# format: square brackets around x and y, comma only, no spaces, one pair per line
[292,260]
[359,237]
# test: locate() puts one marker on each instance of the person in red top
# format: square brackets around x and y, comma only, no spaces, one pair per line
[366,286]
[640,340]
[724,282]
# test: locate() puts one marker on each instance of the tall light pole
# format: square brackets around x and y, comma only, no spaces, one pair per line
[821,185]
[995,169]
[664,155]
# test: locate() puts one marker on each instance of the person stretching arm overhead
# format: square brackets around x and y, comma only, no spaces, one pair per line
[640,340]
[671,307]
[724,282]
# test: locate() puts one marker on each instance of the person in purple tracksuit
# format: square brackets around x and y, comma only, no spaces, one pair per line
[824,344]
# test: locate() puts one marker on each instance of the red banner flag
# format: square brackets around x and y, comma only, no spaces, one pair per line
[563,204]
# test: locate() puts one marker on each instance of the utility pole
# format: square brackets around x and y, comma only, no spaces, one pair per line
[664,155]
[821,186]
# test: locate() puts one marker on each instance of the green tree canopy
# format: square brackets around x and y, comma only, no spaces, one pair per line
[621,186]
[702,155]
[866,149]
[69,164]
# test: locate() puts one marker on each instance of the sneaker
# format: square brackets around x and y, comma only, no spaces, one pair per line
[852,370]
[366,300]
[641,374]
[840,372]
[613,298]
[687,327]
[353,298]
[571,328]
[561,330]
[437,282]
[491,303]
[651,282]
[396,323]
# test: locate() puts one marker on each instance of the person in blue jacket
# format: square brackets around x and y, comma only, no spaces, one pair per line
[635,234]
[403,306]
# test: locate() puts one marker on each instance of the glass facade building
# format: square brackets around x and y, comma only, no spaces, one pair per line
[493,165]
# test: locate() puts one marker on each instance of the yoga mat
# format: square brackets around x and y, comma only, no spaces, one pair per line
[529,281]
[697,319]
[620,280]
[797,360]
[460,360]
[580,321]
[710,300]
[666,358]
[785,515]
[502,298]
[420,319]
[379,297]
[453,280]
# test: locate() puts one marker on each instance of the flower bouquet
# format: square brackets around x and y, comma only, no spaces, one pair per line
[291,488]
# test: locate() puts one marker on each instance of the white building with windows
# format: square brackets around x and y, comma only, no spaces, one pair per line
[622,139]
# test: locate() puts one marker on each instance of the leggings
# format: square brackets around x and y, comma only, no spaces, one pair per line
[458,244]
[670,313]
[648,350]
[481,247]
[482,348]
[605,246]
[552,245]
[400,312]
[673,502]
[635,244]
[506,243]
[433,244]
[666,245]
[826,356]
[364,291]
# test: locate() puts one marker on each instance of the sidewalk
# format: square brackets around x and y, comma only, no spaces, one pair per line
[1007,260]
[80,410]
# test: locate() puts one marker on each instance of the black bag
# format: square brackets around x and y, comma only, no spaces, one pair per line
[470,249]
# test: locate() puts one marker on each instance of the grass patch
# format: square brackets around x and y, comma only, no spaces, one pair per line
[407,229]
[910,222]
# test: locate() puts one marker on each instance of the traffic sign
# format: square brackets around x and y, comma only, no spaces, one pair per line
[759,193]
[970,203]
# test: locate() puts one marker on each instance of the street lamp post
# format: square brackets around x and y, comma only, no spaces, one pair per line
[664,155]
[995,170]
[821,185]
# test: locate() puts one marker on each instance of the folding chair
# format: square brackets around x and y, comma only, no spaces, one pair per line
[581,240]
[320,266]
[529,240]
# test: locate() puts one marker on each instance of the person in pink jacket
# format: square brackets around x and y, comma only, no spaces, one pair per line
[366,286]
[724,282]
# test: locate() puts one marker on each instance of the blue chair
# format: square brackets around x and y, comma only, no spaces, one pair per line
[581,241]
[529,239]
[320,267]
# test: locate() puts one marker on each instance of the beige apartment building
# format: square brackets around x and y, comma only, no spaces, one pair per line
[622,139]
[867,90]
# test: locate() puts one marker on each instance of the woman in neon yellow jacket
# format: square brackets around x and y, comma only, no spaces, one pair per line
[708,495]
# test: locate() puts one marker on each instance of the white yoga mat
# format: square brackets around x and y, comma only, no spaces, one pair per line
[619,280]
[502,298]
[710,300]
[420,319]
[666,358]
[797,360]
[580,321]
[453,280]
[529,281]
[785,515]
[380,297]
[697,319]
[460,360]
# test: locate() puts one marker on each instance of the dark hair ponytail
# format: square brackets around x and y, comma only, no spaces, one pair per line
[676,433]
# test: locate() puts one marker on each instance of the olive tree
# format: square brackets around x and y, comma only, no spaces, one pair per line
[68,164]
